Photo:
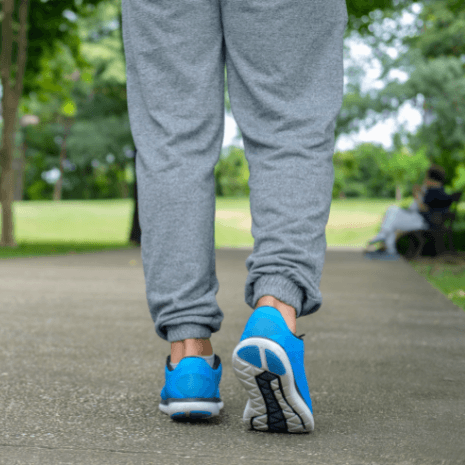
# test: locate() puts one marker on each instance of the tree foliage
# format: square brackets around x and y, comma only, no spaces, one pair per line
[22,27]
[232,174]
[99,146]
[371,171]
[76,71]
[434,61]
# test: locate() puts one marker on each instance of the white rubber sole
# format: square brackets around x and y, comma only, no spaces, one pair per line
[194,410]
[274,403]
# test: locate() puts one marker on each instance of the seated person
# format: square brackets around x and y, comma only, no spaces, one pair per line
[428,199]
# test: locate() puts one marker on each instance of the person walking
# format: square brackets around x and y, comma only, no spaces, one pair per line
[284,63]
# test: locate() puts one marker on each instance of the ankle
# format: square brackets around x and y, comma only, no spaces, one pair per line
[287,312]
[189,348]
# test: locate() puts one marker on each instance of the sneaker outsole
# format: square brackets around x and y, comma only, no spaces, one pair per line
[197,410]
[275,404]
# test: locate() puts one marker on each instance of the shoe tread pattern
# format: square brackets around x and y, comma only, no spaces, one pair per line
[269,407]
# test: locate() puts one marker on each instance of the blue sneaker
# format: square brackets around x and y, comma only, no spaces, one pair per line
[269,362]
[192,389]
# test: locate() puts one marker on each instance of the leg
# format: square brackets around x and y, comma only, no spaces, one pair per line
[404,220]
[386,224]
[189,347]
[285,80]
[288,313]
[175,82]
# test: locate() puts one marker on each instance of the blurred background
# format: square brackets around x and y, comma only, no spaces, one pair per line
[67,155]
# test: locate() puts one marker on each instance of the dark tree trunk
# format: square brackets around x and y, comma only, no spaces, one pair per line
[135,230]
[14,31]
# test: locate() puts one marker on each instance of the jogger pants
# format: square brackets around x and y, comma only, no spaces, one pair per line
[284,65]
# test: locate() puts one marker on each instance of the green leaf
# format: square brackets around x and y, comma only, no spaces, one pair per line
[69,109]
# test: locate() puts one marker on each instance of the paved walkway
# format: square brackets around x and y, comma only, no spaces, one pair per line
[81,368]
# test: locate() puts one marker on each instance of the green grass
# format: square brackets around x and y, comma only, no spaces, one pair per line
[68,227]
[35,249]
[94,221]
[449,279]
[80,224]
[351,222]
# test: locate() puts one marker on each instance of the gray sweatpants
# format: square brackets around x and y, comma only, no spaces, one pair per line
[285,81]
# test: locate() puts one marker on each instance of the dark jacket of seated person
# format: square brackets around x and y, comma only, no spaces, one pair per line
[437,201]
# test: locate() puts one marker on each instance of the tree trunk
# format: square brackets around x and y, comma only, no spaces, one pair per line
[135,236]
[7,188]
[10,101]
[398,193]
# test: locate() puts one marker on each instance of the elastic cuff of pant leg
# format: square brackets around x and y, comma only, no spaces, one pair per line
[187,331]
[280,288]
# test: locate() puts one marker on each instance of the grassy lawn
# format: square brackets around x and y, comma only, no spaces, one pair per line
[351,222]
[447,278]
[94,223]
[102,222]
[47,228]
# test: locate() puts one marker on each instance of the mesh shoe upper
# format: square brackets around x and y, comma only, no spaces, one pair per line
[192,378]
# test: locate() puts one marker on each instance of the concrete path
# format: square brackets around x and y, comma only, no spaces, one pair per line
[81,368]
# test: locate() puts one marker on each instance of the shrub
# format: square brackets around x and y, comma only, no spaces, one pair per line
[232,174]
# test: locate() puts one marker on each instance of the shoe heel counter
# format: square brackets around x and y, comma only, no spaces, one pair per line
[194,378]
[264,322]
[192,385]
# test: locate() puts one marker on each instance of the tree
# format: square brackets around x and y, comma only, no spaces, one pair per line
[439,81]
[431,53]
[10,100]
[54,101]
[358,172]
[232,174]
[136,233]
[22,40]
[405,167]
[55,23]
[98,143]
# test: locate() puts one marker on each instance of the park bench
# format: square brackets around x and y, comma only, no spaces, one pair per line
[442,226]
